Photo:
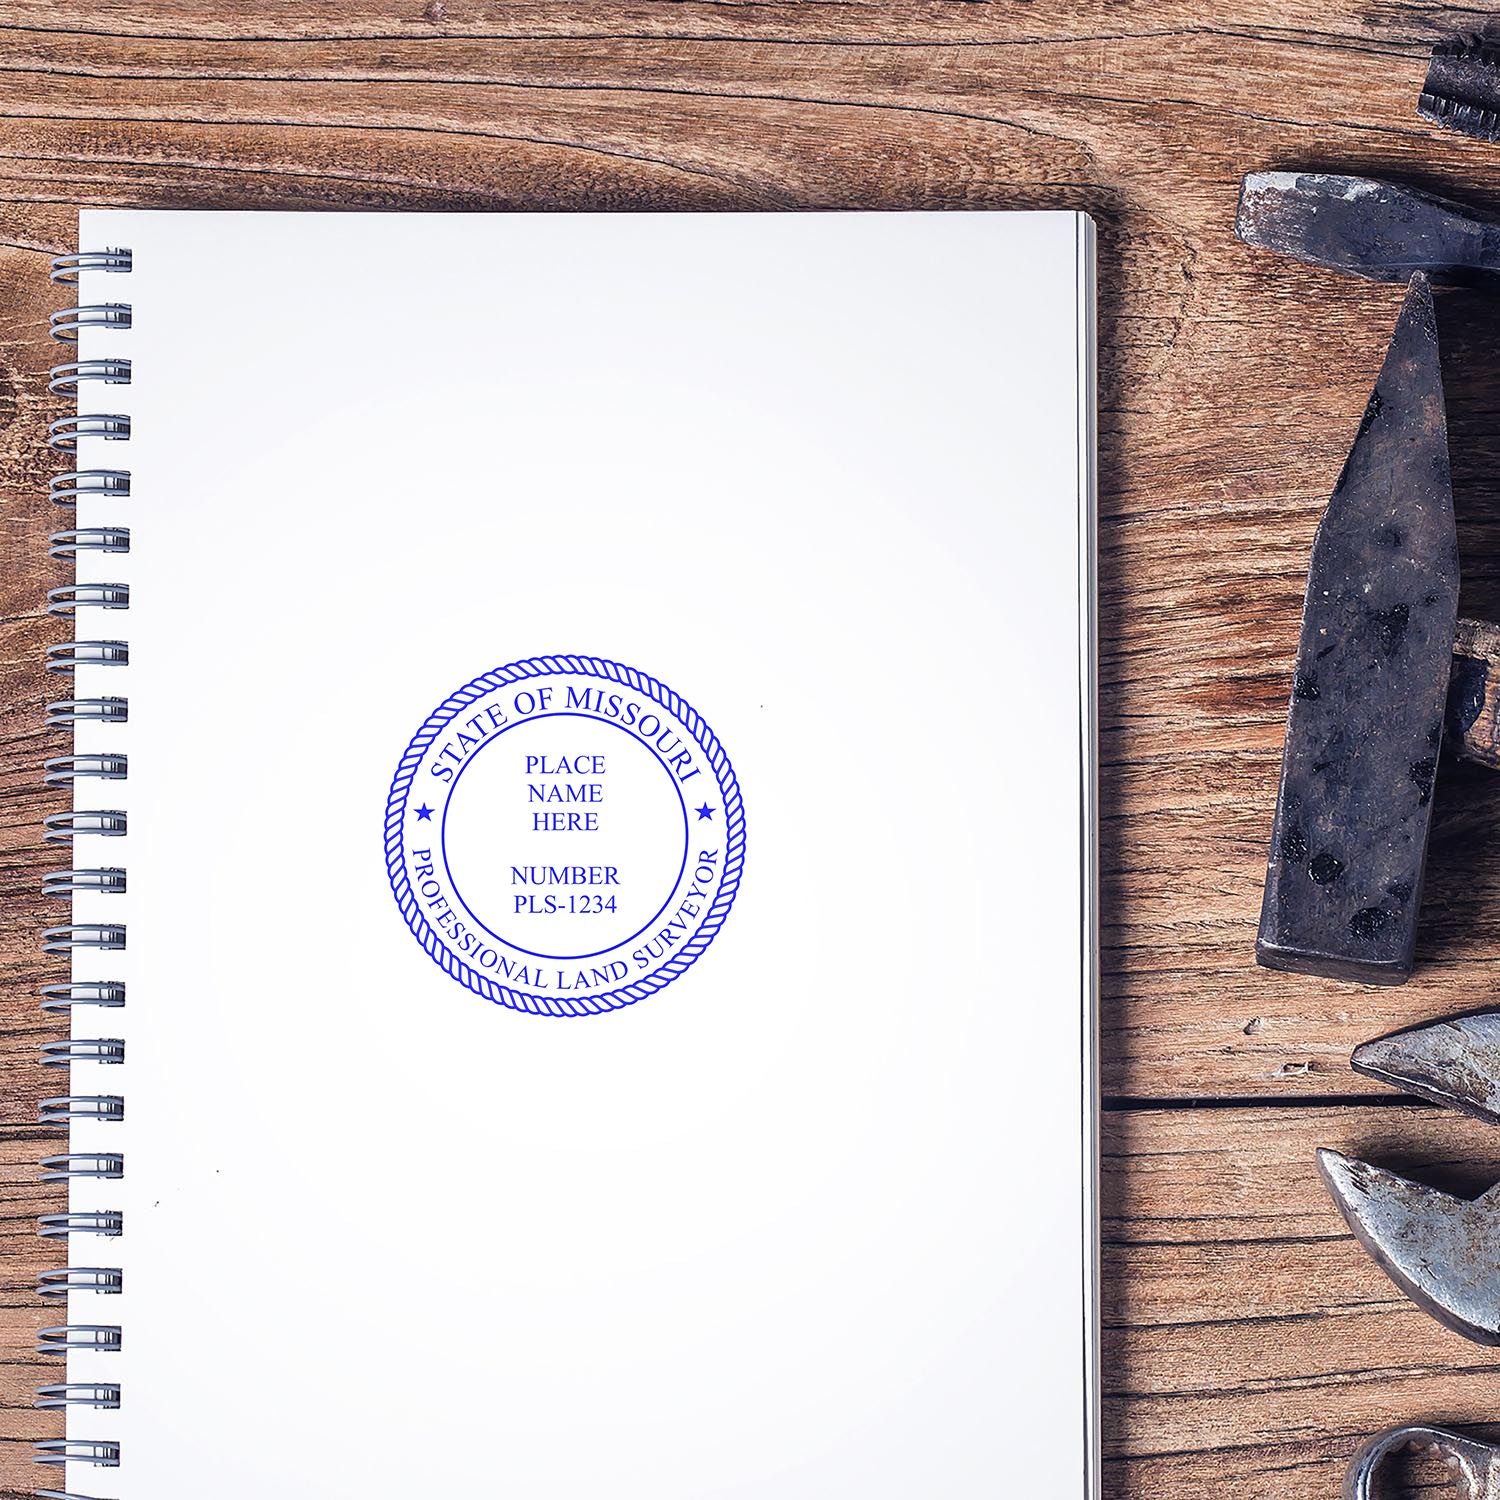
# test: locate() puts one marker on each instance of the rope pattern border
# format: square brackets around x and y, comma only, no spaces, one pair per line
[524,671]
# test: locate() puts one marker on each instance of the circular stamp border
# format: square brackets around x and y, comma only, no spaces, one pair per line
[524,671]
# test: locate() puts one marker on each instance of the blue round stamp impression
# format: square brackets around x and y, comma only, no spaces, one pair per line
[564,835]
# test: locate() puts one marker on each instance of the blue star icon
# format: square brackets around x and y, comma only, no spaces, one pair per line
[704,812]
[424,814]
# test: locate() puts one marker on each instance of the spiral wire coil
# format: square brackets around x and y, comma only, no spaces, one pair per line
[81,601]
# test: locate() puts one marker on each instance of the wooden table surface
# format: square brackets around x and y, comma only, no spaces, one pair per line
[1248,1342]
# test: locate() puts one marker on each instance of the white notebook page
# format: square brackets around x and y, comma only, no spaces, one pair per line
[812,1218]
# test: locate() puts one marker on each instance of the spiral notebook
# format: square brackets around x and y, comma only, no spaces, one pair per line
[581,858]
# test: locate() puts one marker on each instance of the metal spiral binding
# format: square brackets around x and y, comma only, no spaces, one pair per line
[108,994]
[66,488]
[64,939]
[64,882]
[63,434]
[63,828]
[99,1395]
[75,769]
[79,1451]
[63,712]
[77,1336]
[66,1108]
[66,655]
[67,323]
[104,1279]
[64,770]
[65,268]
[105,1049]
[64,1226]
[81,1164]
[64,545]
[65,379]
[71,597]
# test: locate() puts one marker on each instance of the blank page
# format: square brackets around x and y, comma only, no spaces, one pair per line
[609,955]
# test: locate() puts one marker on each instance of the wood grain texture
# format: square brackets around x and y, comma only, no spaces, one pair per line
[1249,1344]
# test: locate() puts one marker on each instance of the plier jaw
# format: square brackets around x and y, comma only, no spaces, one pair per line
[1441,1250]
[1455,1063]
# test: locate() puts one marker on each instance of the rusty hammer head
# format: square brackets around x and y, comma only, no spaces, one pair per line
[1380,230]
[1364,730]
[1440,1250]
[1365,724]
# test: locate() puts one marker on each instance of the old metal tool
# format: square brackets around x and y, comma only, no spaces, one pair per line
[1442,1251]
[1377,690]
[1462,91]
[1380,230]
[1349,842]
[1476,1464]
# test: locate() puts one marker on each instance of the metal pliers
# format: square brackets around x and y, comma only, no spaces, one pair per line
[1442,1251]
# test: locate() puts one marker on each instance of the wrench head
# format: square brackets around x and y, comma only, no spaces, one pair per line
[1454,1062]
[1442,1251]
[1477,1464]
